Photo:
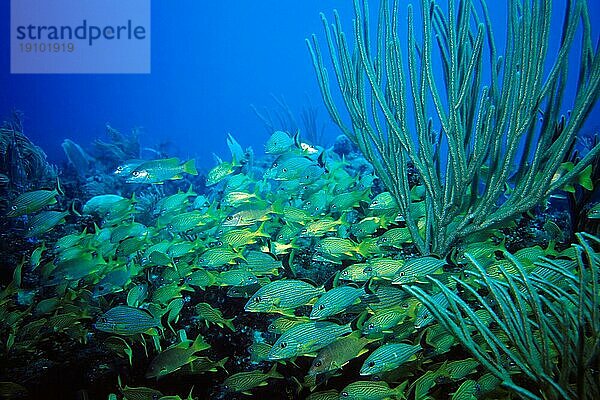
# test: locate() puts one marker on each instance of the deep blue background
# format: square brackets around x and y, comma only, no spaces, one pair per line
[210,61]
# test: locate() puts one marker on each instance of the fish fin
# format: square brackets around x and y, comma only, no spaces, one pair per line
[277,207]
[368,287]
[296,139]
[58,187]
[217,159]
[261,230]
[190,395]
[221,363]
[229,324]
[289,263]
[73,210]
[299,386]
[199,343]
[288,312]
[359,321]
[360,353]
[321,161]
[336,279]
[273,372]
[190,167]
[400,389]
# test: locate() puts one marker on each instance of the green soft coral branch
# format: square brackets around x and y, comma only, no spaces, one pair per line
[552,331]
[493,125]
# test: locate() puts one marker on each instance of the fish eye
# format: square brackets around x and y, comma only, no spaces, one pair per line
[135,173]
[321,306]
[120,168]
[371,364]
[14,207]
[229,218]
[425,315]
[374,202]
[283,345]
[318,364]
[371,326]
[368,269]
[344,394]
[257,299]
[284,170]
[219,243]
[102,319]
[170,227]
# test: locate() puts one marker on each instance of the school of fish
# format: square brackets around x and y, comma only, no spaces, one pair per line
[318,256]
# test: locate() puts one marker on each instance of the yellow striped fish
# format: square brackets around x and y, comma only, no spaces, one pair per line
[283,296]
[388,357]
[306,338]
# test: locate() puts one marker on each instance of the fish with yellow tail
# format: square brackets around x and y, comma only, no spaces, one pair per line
[243,382]
[175,357]
[159,171]
[30,202]
[372,390]
[307,338]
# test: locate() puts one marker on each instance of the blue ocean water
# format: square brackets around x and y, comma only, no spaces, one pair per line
[210,62]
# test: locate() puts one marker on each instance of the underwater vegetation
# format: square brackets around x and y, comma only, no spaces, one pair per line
[282,118]
[478,144]
[449,264]
[23,164]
